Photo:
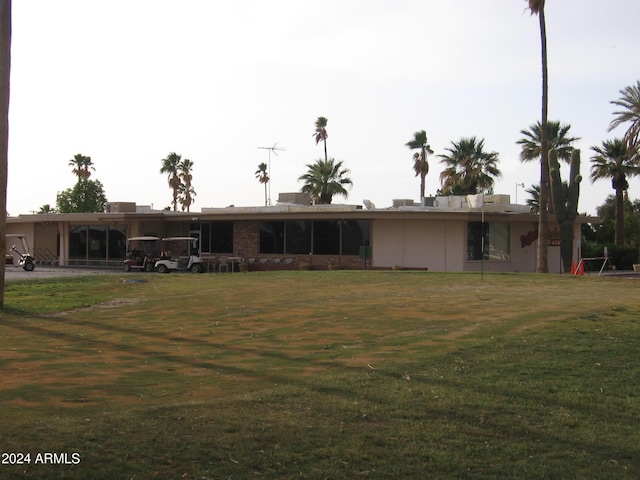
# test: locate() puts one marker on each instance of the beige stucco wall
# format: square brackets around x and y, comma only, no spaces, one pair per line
[433,245]
[440,246]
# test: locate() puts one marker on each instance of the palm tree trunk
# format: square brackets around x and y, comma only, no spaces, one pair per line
[542,260]
[5,71]
[619,235]
[326,159]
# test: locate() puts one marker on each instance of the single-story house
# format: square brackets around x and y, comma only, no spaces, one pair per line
[440,234]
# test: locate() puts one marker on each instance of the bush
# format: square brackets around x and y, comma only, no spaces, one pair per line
[623,257]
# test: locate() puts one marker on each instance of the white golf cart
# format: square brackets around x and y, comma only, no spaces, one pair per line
[180,253]
[25,260]
[142,253]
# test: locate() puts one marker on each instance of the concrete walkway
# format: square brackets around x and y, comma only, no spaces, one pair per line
[13,272]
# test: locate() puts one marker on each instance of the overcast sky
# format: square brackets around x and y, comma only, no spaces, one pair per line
[126,82]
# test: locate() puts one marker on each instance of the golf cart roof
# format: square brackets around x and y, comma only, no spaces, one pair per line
[144,239]
[171,239]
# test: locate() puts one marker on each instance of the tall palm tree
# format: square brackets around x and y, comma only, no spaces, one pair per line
[615,160]
[263,177]
[321,134]
[5,80]
[185,196]
[420,163]
[534,200]
[324,179]
[81,165]
[469,169]
[557,139]
[629,101]
[171,166]
[542,255]
[186,190]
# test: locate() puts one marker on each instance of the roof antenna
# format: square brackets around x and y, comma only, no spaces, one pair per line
[275,149]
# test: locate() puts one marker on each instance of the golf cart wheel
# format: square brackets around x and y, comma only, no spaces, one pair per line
[127,267]
[197,268]
[29,266]
[162,268]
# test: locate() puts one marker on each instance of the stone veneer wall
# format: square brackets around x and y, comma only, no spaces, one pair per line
[246,238]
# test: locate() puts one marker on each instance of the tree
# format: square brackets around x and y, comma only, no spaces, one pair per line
[5,80]
[321,134]
[186,192]
[534,200]
[86,196]
[614,160]
[263,177]
[605,230]
[420,163]
[171,166]
[469,169]
[46,208]
[81,165]
[629,101]
[542,254]
[557,139]
[324,179]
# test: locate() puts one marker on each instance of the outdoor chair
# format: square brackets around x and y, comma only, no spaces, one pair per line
[223,263]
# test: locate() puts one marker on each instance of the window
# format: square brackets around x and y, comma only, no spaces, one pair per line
[98,245]
[302,237]
[298,238]
[272,237]
[326,238]
[354,235]
[495,238]
[215,237]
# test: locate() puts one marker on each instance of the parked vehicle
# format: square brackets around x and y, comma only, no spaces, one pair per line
[142,253]
[25,260]
[180,253]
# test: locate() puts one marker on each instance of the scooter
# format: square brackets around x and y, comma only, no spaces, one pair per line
[26,261]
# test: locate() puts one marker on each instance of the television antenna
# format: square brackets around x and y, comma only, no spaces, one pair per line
[275,149]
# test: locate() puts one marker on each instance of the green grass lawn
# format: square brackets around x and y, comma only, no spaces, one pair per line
[321,375]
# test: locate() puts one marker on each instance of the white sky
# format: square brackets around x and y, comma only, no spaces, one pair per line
[129,81]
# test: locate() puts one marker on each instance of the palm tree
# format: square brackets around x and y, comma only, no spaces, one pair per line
[557,139]
[324,179]
[5,80]
[630,104]
[81,165]
[186,190]
[616,161]
[542,261]
[420,163]
[263,177]
[171,166]
[46,208]
[469,169]
[534,200]
[321,134]
[185,196]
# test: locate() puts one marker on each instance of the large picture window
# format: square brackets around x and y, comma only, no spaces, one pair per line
[215,237]
[493,238]
[272,237]
[298,238]
[302,237]
[96,245]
